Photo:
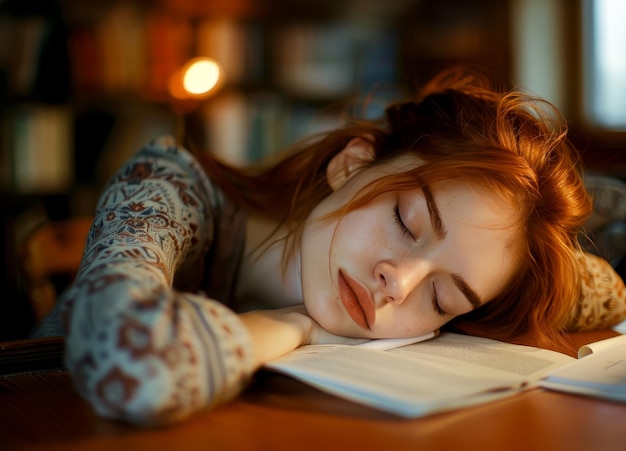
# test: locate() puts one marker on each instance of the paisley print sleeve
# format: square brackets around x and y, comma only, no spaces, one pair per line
[139,348]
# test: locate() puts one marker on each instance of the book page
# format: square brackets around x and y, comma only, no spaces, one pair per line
[529,362]
[446,372]
[600,345]
[602,373]
[385,344]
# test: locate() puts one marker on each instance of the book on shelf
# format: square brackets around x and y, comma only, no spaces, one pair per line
[413,378]
[39,148]
[241,128]
[224,41]
[128,48]
[21,42]
[315,60]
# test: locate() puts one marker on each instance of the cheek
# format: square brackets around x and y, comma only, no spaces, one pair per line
[362,233]
[321,308]
[318,286]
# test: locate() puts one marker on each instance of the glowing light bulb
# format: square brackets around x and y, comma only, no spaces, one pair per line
[201,75]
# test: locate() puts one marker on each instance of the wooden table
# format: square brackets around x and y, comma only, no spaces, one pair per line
[42,411]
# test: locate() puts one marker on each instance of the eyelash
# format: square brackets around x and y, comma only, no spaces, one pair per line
[403,228]
[436,306]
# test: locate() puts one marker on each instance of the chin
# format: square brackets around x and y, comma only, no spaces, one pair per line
[332,326]
[344,330]
[331,319]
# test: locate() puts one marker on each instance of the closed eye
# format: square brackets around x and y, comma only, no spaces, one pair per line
[401,225]
[435,300]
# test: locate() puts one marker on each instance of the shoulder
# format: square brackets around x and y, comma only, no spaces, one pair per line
[166,152]
[163,164]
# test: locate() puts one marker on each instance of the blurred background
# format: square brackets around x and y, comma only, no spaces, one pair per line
[84,84]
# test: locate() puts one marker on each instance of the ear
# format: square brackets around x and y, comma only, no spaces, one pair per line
[352,158]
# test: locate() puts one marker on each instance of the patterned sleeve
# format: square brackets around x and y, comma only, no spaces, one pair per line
[138,349]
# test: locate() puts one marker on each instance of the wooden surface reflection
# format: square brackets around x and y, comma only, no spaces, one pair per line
[42,411]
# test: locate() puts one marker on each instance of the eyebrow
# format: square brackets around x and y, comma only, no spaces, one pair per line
[435,219]
[433,211]
[467,291]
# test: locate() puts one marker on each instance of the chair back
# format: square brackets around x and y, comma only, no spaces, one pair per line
[50,257]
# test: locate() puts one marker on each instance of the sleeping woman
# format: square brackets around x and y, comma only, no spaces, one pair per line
[460,207]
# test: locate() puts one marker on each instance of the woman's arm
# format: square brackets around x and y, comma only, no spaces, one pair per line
[138,349]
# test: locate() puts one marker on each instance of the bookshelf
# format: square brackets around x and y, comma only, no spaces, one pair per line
[288,67]
[83,85]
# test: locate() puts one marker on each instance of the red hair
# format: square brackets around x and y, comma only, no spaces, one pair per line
[461,128]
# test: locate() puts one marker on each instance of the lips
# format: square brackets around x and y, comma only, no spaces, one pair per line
[357,301]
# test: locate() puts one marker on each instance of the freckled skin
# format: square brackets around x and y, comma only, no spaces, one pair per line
[401,273]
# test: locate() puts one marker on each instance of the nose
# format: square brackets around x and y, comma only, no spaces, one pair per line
[396,280]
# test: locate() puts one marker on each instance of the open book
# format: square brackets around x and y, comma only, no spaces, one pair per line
[417,377]
[599,371]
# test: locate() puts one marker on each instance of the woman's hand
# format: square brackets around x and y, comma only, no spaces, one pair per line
[317,335]
[276,332]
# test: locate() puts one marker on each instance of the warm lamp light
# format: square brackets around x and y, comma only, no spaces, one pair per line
[201,75]
[196,79]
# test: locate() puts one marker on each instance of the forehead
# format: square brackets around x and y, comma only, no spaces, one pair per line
[473,204]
